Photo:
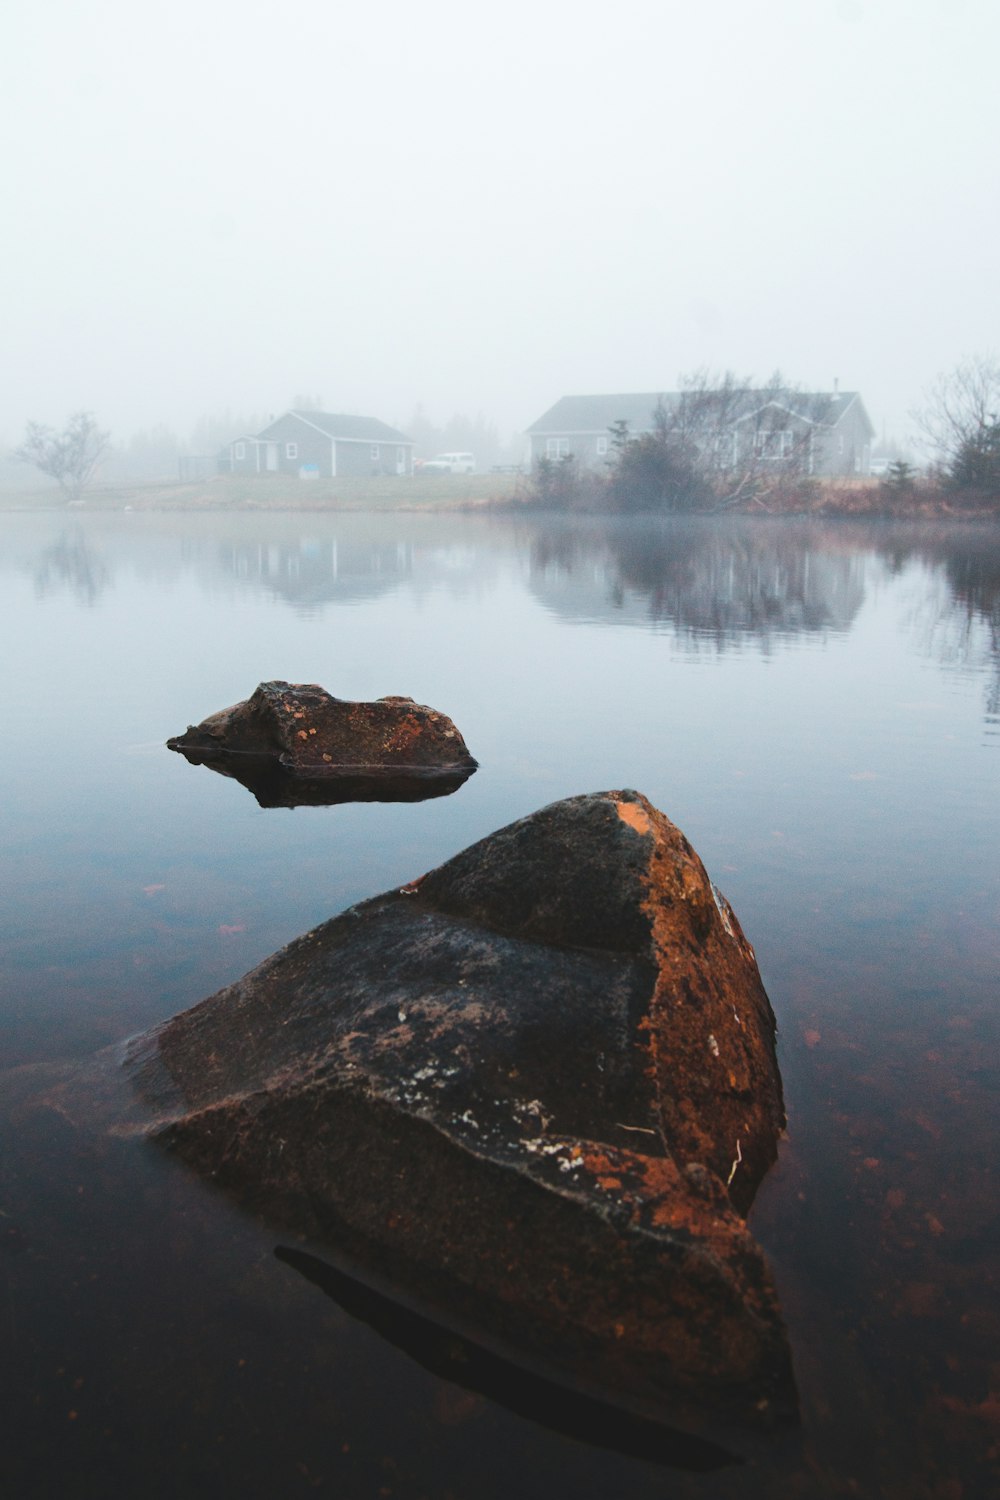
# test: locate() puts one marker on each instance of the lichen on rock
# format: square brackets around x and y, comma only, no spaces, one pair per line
[536,1087]
[295,743]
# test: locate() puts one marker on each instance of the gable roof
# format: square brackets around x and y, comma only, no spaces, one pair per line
[580,414]
[821,408]
[346,428]
[598,413]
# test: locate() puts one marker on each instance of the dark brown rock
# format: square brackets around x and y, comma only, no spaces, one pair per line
[293,744]
[537,1088]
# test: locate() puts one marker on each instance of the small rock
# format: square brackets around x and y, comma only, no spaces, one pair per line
[294,744]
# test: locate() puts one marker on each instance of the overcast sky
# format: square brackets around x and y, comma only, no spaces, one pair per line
[221,203]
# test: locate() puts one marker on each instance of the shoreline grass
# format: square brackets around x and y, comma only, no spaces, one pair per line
[851,499]
[280,492]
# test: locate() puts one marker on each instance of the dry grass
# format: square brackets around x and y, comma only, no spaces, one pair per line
[848,497]
[281,492]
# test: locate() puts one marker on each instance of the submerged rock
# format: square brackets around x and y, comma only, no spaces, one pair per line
[536,1088]
[294,743]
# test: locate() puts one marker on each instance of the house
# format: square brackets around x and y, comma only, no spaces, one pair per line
[314,444]
[821,433]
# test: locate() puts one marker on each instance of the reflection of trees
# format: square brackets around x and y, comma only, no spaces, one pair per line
[72,564]
[722,582]
[959,621]
[973,572]
[714,581]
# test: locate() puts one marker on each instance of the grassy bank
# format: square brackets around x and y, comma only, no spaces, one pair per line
[281,492]
[871,498]
[853,499]
[858,498]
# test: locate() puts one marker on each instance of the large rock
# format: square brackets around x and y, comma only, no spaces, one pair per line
[294,743]
[537,1088]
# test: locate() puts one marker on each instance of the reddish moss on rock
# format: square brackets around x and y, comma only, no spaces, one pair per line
[293,743]
[537,1086]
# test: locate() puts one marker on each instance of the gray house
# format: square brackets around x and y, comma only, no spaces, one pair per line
[820,433]
[315,444]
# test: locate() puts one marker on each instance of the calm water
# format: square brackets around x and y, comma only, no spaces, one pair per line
[817,707]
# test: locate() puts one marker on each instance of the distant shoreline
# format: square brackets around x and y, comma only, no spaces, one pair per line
[496,494]
[226,492]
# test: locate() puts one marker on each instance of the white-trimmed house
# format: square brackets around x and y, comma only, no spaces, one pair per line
[825,433]
[316,444]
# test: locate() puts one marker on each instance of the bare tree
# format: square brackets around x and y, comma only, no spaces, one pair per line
[744,434]
[715,442]
[70,457]
[960,419]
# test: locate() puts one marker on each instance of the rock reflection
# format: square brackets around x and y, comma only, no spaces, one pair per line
[452,1357]
[274,785]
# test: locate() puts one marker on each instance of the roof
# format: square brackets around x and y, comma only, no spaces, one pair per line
[578,414]
[598,413]
[824,408]
[345,427]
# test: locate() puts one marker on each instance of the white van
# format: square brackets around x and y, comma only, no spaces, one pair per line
[450,463]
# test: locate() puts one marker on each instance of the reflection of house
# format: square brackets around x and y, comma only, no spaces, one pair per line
[717,586]
[316,444]
[312,570]
[824,433]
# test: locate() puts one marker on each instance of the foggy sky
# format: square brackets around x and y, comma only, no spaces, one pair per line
[220,204]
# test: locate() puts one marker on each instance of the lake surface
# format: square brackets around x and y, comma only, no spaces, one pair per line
[816,706]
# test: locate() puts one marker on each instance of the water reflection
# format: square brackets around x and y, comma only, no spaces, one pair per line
[274,785]
[71,563]
[718,584]
[721,582]
[961,620]
[467,1364]
[973,570]
[857,835]
[311,571]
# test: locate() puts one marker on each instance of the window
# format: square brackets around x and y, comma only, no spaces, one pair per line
[773,445]
[375,454]
[291,450]
[725,450]
[557,447]
[602,445]
[240,450]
